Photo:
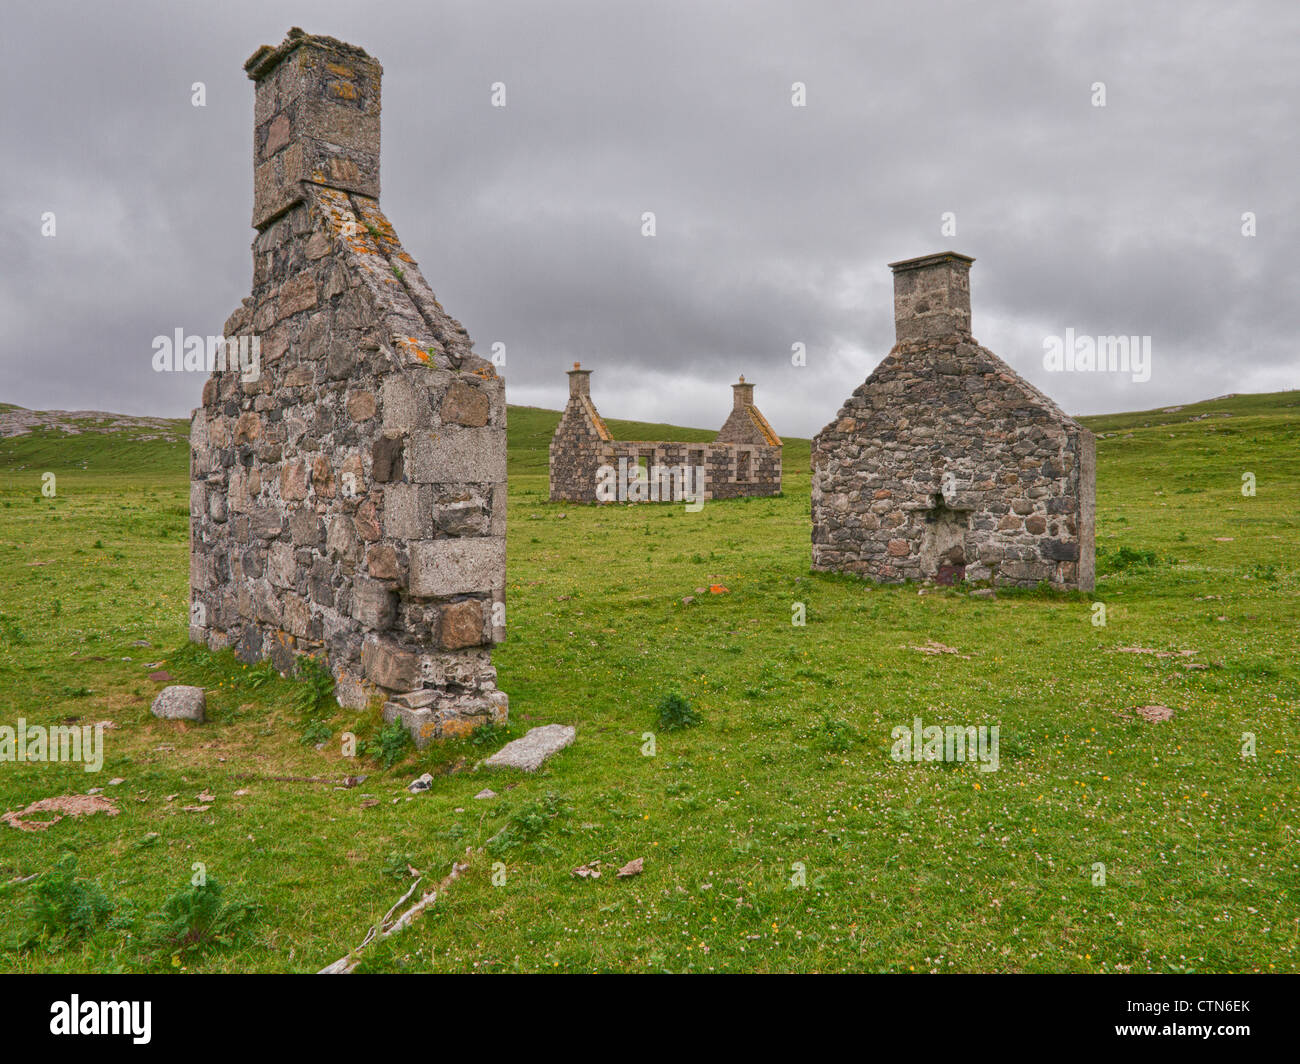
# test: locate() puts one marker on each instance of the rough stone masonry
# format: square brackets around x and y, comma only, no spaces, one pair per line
[945,464]
[744,458]
[348,501]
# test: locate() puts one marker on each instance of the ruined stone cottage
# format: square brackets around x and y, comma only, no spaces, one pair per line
[588,465]
[348,491]
[945,463]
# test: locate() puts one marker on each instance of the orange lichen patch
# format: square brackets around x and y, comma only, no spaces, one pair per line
[718,589]
[375,217]
[597,422]
[773,440]
[411,346]
[343,90]
[65,804]
[340,70]
[487,373]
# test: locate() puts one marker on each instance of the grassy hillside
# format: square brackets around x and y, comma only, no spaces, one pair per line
[777,834]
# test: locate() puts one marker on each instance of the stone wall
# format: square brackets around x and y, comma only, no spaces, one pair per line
[745,458]
[348,500]
[946,464]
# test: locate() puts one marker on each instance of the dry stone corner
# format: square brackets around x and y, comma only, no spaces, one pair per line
[347,498]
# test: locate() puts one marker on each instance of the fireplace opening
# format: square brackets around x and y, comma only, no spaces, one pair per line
[943,544]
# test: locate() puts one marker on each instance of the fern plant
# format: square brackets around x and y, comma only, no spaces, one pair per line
[64,906]
[197,918]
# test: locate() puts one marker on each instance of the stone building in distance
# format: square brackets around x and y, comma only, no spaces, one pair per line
[348,492]
[945,464]
[588,465]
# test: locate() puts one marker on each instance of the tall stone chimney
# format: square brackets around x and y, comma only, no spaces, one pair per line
[742,394]
[579,381]
[931,296]
[315,119]
[348,495]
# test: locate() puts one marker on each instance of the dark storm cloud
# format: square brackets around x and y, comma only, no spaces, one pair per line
[774,223]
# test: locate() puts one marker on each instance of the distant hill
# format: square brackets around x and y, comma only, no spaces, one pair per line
[1260,404]
[62,440]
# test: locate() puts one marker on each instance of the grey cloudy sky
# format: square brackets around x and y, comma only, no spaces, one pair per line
[775,223]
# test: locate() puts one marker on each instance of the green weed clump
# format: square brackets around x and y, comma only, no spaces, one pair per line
[1125,559]
[529,824]
[489,734]
[834,735]
[315,693]
[64,907]
[393,744]
[398,865]
[197,919]
[675,712]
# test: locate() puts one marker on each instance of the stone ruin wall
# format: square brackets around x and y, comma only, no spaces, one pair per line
[349,503]
[582,444]
[945,463]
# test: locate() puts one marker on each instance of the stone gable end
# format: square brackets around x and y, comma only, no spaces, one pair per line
[348,499]
[945,464]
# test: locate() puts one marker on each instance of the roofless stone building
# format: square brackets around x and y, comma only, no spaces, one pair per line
[587,464]
[348,497]
[945,463]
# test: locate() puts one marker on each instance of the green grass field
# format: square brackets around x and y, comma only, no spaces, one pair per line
[777,834]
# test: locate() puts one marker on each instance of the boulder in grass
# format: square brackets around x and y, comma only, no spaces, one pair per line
[534,748]
[180,702]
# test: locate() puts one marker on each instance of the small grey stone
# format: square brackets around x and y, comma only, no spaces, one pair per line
[180,702]
[984,593]
[486,793]
[534,748]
